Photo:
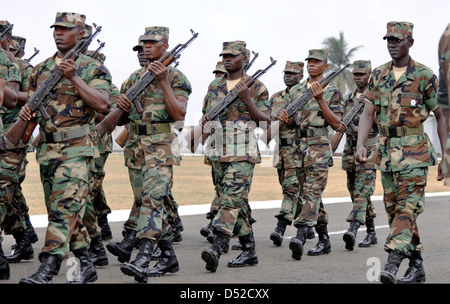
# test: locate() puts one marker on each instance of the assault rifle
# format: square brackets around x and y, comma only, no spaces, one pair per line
[347,120]
[23,129]
[255,55]
[36,51]
[95,53]
[296,105]
[116,115]
[193,137]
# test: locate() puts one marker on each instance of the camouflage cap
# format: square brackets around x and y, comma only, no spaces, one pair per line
[294,67]
[156,33]
[362,66]
[4,25]
[219,68]
[140,44]
[233,48]
[69,19]
[18,42]
[399,29]
[317,54]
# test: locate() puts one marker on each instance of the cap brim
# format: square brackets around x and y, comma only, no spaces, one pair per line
[395,35]
[65,24]
[228,52]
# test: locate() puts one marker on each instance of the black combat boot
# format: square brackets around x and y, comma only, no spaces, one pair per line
[297,242]
[371,237]
[207,231]
[177,227]
[349,236]
[156,255]
[310,235]
[168,261]
[212,254]
[324,245]
[104,226]
[387,275]
[97,252]
[44,274]
[29,232]
[277,235]
[4,265]
[87,273]
[23,250]
[138,268]
[122,250]
[415,272]
[248,255]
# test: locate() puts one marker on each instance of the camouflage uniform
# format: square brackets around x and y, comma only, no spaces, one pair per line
[360,177]
[315,156]
[403,160]
[443,92]
[64,165]
[404,153]
[149,154]
[10,72]
[14,160]
[233,160]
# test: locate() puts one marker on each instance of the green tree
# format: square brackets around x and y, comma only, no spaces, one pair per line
[338,55]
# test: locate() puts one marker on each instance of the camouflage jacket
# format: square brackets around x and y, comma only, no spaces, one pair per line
[349,162]
[105,144]
[161,148]
[285,155]
[406,102]
[316,150]
[234,137]
[10,71]
[9,116]
[67,109]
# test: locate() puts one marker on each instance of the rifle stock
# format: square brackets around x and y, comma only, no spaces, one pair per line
[335,140]
[122,138]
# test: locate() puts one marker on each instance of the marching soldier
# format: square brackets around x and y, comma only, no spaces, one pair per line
[233,161]
[402,92]
[150,157]
[325,108]
[10,79]
[66,146]
[360,177]
[287,160]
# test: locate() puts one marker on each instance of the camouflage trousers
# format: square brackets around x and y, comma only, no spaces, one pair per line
[361,185]
[215,204]
[96,200]
[66,189]
[136,180]
[291,205]
[312,181]
[234,214]
[404,200]
[13,207]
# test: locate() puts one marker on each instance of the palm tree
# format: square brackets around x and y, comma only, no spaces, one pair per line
[338,55]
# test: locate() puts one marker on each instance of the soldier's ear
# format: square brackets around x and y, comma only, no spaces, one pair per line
[411,41]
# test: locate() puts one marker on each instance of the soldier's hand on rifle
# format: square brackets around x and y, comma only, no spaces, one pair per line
[361,154]
[317,91]
[284,117]
[205,120]
[69,67]
[124,103]
[243,92]
[26,114]
[159,69]
[341,128]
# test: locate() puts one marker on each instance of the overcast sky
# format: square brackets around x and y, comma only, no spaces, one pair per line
[282,29]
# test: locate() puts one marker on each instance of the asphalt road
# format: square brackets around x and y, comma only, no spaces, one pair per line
[276,266]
